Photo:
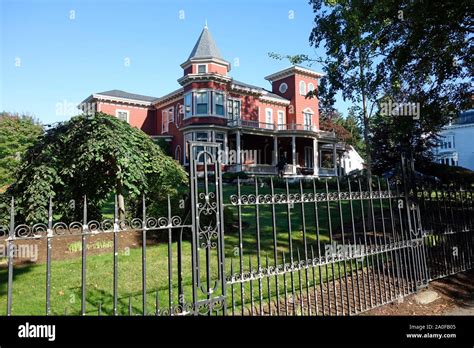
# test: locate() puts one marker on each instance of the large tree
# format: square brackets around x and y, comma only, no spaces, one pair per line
[403,50]
[93,156]
[17,133]
[429,62]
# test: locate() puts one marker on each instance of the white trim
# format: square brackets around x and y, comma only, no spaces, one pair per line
[292,70]
[170,112]
[177,119]
[122,100]
[213,60]
[308,110]
[187,79]
[126,111]
[310,87]
[275,100]
[176,94]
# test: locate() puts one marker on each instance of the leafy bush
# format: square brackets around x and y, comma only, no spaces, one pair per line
[17,133]
[92,155]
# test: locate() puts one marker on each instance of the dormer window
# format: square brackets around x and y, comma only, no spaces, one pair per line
[302,88]
[202,68]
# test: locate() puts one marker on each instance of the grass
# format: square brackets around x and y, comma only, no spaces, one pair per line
[29,280]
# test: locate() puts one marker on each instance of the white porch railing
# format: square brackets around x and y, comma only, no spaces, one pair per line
[280,128]
[254,168]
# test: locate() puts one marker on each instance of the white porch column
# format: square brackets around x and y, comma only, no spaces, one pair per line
[334,158]
[293,152]
[315,157]
[344,163]
[341,165]
[275,150]
[238,167]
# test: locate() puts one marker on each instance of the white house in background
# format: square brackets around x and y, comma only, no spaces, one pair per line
[456,144]
[351,160]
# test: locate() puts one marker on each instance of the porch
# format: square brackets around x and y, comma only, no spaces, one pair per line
[286,155]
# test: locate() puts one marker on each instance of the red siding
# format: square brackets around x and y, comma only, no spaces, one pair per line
[140,117]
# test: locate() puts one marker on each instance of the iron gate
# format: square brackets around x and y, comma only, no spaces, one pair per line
[209,291]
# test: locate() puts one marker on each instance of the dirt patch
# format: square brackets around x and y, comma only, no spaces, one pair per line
[33,251]
[456,294]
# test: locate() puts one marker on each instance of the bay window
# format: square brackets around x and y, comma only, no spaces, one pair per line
[219,104]
[188,105]
[202,103]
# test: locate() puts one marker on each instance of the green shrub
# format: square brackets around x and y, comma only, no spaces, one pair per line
[230,177]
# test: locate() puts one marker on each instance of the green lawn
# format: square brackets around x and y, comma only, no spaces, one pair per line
[29,281]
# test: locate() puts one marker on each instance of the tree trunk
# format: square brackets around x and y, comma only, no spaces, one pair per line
[120,198]
[366,138]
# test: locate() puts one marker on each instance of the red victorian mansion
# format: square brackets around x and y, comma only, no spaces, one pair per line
[265,129]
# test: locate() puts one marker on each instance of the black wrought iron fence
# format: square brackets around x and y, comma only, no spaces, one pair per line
[448,217]
[262,246]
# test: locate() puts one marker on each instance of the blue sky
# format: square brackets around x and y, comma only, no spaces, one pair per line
[56,53]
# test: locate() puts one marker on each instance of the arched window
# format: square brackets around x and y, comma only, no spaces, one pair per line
[302,88]
[310,87]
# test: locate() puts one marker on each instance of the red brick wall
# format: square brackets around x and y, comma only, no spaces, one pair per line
[174,128]
[140,117]
[212,68]
[302,103]
[275,108]
[298,102]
